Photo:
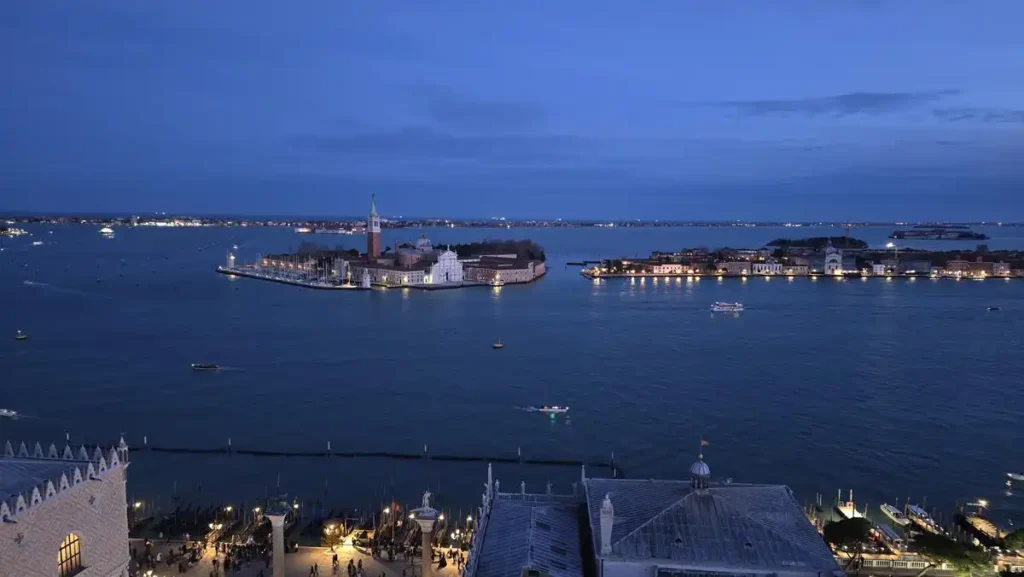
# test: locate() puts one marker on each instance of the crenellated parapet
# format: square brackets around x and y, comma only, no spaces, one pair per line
[60,470]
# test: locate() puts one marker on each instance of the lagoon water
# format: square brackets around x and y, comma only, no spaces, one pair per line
[894,389]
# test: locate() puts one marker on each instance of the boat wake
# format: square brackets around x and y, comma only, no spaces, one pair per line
[528,409]
[64,290]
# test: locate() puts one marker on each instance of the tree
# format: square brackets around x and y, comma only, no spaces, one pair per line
[1015,540]
[942,549]
[850,533]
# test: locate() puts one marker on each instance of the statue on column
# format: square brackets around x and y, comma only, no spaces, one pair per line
[426,499]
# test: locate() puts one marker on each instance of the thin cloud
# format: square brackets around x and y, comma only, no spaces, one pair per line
[998,115]
[451,111]
[853,103]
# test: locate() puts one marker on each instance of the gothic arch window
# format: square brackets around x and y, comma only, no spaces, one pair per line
[69,557]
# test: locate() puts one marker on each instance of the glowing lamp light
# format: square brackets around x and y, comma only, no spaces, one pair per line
[469,518]
[412,515]
[138,504]
[440,517]
[387,510]
[228,508]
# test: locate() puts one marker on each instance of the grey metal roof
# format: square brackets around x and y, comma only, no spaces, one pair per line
[20,475]
[531,531]
[741,526]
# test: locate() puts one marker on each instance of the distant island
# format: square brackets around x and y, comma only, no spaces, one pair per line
[820,242]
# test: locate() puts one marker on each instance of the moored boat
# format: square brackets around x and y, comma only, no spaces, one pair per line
[1016,476]
[720,307]
[498,345]
[921,518]
[553,409]
[204,367]
[895,514]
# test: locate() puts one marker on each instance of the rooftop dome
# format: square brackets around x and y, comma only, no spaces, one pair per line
[700,474]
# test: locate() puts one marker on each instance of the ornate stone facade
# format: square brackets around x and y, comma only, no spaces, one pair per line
[51,495]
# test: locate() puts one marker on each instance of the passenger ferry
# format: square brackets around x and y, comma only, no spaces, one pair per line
[204,367]
[895,514]
[719,307]
[552,409]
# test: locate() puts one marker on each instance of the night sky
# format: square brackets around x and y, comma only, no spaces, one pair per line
[790,110]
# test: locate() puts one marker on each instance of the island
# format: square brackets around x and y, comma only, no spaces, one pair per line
[839,257]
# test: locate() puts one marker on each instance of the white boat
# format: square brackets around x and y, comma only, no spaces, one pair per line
[719,307]
[9,413]
[497,282]
[107,231]
[553,409]
[923,519]
[895,514]
[37,243]
[1016,476]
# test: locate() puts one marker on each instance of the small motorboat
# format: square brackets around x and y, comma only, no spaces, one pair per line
[552,409]
[204,367]
[1016,476]
[498,345]
[895,514]
[20,336]
[497,282]
[993,308]
[719,307]
[37,243]
[9,413]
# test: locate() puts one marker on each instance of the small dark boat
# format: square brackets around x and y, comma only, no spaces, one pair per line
[20,336]
[993,308]
[204,367]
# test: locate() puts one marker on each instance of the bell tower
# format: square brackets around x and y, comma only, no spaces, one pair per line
[373,230]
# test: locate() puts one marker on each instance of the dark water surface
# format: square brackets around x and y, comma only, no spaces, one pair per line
[893,389]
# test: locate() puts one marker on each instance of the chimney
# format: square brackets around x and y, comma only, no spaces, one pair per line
[607,520]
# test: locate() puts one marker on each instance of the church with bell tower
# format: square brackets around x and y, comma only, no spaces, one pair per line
[373,230]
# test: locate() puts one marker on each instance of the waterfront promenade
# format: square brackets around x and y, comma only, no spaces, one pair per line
[297,564]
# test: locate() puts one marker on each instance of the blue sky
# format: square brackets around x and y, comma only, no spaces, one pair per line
[788,109]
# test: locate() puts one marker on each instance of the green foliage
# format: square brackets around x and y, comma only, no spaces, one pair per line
[941,548]
[525,249]
[848,532]
[1015,540]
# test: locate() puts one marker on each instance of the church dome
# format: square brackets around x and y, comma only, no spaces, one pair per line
[700,469]
[423,244]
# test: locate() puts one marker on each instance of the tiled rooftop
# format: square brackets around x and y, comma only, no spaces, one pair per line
[743,526]
[538,532]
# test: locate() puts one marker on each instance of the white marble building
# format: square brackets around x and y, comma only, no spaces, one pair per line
[447,269]
[833,260]
[63,512]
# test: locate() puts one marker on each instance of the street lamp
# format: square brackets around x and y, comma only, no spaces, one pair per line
[138,504]
[469,518]
[387,510]
[440,517]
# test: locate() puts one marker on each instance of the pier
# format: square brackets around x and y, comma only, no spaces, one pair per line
[279,278]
